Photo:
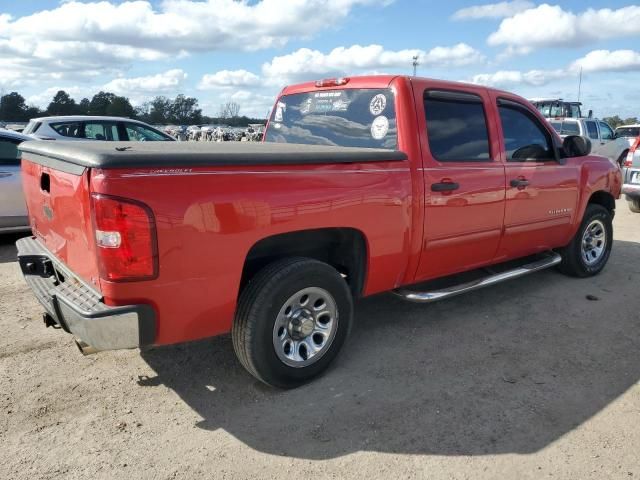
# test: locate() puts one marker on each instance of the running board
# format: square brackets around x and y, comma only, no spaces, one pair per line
[550,259]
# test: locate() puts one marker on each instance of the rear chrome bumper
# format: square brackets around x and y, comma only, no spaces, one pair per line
[631,191]
[78,308]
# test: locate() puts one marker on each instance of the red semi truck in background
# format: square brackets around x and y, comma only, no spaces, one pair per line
[364,185]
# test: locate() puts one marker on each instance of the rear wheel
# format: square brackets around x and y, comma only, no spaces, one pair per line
[292,320]
[634,205]
[589,250]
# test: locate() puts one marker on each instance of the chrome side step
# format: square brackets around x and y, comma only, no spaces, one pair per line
[549,260]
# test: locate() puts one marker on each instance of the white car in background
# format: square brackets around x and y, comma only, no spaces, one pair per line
[82,127]
[13,209]
[603,139]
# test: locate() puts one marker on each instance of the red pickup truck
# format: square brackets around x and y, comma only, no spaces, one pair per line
[363,185]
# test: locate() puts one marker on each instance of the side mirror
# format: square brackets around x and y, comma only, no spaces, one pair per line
[576,146]
[590,113]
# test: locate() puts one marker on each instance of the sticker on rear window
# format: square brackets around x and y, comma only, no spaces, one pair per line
[378,104]
[380,127]
[280,109]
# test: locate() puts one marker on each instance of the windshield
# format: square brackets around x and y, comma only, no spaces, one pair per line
[628,132]
[346,118]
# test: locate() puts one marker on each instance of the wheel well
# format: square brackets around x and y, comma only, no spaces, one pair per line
[343,248]
[605,199]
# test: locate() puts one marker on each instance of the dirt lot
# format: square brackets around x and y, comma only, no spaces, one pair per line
[528,379]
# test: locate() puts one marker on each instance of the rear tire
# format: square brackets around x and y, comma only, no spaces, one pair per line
[634,205]
[291,321]
[589,250]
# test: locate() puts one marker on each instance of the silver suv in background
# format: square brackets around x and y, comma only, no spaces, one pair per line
[81,127]
[603,139]
[13,210]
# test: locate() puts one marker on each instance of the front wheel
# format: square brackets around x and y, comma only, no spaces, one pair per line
[589,250]
[292,320]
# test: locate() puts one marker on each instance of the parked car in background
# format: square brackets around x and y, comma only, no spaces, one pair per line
[558,108]
[628,131]
[13,209]
[603,138]
[82,127]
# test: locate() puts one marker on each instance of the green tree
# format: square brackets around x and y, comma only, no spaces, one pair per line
[120,107]
[62,104]
[13,107]
[83,106]
[614,121]
[631,121]
[184,111]
[100,103]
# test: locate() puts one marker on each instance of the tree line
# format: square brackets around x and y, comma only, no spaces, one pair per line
[161,110]
[616,121]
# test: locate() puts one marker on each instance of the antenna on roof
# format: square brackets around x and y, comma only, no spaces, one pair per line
[415,64]
[580,84]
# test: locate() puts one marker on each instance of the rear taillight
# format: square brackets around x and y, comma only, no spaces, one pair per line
[126,240]
[628,162]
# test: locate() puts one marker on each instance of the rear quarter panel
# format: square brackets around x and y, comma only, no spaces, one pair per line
[209,218]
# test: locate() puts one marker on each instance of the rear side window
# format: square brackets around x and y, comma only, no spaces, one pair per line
[456,127]
[592,130]
[69,129]
[9,153]
[525,139]
[101,131]
[32,127]
[570,128]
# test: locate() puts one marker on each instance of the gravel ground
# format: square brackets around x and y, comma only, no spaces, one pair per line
[527,379]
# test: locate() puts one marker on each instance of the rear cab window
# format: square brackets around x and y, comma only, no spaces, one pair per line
[570,127]
[456,126]
[357,117]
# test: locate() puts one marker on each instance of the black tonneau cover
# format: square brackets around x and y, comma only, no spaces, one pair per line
[97,154]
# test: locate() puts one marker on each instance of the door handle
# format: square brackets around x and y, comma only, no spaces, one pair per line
[519,183]
[444,187]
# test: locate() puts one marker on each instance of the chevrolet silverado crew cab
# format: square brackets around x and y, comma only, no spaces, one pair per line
[363,185]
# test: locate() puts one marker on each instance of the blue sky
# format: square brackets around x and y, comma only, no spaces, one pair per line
[227,50]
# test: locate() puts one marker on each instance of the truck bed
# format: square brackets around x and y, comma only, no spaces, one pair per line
[106,155]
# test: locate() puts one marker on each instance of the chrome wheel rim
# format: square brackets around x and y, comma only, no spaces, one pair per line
[305,327]
[594,242]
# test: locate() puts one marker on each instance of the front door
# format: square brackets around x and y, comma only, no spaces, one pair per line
[542,193]
[464,181]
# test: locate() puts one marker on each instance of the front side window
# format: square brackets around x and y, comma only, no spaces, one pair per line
[525,140]
[140,133]
[605,131]
[9,153]
[69,129]
[101,131]
[362,117]
[456,127]
[592,130]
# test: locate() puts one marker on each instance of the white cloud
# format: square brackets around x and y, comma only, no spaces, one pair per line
[309,64]
[166,82]
[493,10]
[228,78]
[551,26]
[506,78]
[608,61]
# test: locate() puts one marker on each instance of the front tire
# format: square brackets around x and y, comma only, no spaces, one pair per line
[590,248]
[292,319]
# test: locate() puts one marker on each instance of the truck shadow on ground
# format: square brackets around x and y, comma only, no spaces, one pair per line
[509,369]
[8,250]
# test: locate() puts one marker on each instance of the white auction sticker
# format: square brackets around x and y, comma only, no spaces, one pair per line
[378,104]
[380,127]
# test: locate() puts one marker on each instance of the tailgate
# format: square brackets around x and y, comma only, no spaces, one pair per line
[58,201]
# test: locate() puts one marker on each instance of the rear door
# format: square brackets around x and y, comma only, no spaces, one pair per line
[13,210]
[464,180]
[542,192]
